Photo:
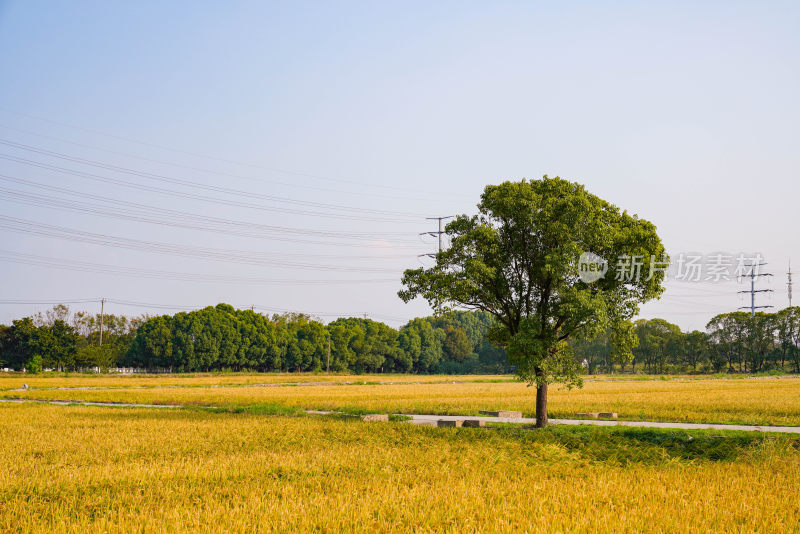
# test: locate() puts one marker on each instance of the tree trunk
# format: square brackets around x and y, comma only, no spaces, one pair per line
[541,406]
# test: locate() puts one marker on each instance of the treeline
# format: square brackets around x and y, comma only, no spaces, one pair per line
[733,343]
[223,338]
[63,341]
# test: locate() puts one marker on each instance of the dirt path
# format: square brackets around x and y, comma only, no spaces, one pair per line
[428,418]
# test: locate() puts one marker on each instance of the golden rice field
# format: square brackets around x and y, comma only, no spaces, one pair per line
[101,469]
[56,380]
[742,401]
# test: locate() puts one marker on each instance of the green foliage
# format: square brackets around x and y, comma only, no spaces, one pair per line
[767,343]
[90,356]
[658,340]
[55,344]
[518,261]
[422,344]
[370,346]
[34,365]
[756,344]
[221,337]
[457,345]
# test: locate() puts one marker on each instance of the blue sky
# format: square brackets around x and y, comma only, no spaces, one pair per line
[339,126]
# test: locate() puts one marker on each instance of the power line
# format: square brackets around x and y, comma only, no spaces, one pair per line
[143,213]
[47,302]
[222,255]
[203,156]
[136,272]
[189,183]
[227,174]
[195,196]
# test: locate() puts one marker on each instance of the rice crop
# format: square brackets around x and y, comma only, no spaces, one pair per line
[99,469]
[745,401]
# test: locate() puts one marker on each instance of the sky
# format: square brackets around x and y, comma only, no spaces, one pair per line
[284,156]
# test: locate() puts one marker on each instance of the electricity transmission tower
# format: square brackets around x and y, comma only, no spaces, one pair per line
[437,234]
[753,274]
[789,283]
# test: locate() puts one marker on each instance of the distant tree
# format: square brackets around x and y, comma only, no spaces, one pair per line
[64,345]
[788,336]
[696,348]
[475,323]
[59,312]
[457,345]
[101,356]
[422,343]
[595,351]
[152,347]
[493,359]
[54,344]
[23,340]
[760,340]
[308,345]
[518,260]
[727,335]
[34,365]
[5,333]
[658,341]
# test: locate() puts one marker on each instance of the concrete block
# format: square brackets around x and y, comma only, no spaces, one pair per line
[375,417]
[474,423]
[447,423]
[598,415]
[423,422]
[502,413]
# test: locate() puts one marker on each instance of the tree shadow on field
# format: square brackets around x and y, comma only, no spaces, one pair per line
[626,446]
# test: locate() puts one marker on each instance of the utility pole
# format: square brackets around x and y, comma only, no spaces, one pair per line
[437,234]
[789,283]
[329,356]
[753,274]
[102,314]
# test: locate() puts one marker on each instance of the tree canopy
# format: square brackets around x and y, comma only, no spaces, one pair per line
[518,259]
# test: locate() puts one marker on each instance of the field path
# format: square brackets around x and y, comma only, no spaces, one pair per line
[427,418]
[596,422]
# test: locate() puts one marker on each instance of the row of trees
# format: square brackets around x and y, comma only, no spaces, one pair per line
[221,337]
[60,340]
[732,342]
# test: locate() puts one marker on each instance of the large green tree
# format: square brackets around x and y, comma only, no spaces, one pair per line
[518,259]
